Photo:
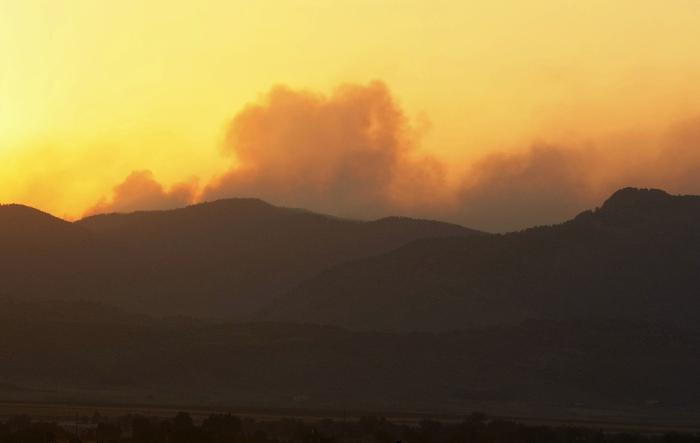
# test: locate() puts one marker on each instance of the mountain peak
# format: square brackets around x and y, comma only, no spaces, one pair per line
[630,207]
[632,198]
[15,208]
[24,225]
[20,214]
[238,202]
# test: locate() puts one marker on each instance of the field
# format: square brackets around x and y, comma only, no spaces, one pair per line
[607,420]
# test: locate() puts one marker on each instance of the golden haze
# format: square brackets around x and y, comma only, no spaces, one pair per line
[495,114]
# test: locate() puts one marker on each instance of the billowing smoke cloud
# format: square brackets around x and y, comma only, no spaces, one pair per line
[351,153]
[140,191]
[354,153]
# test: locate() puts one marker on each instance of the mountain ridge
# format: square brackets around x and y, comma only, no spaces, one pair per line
[600,311]
[619,260]
[222,258]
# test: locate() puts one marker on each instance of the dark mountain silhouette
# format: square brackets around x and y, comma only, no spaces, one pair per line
[636,257]
[24,228]
[226,258]
[598,312]
[41,254]
[75,352]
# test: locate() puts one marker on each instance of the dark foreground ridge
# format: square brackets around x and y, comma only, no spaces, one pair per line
[229,428]
[95,354]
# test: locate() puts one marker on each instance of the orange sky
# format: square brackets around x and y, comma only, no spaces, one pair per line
[496,113]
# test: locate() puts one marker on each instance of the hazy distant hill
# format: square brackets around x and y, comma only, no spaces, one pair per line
[225,258]
[79,354]
[636,257]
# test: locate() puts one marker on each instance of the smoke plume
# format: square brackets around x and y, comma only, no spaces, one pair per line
[354,153]
[141,191]
[351,153]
